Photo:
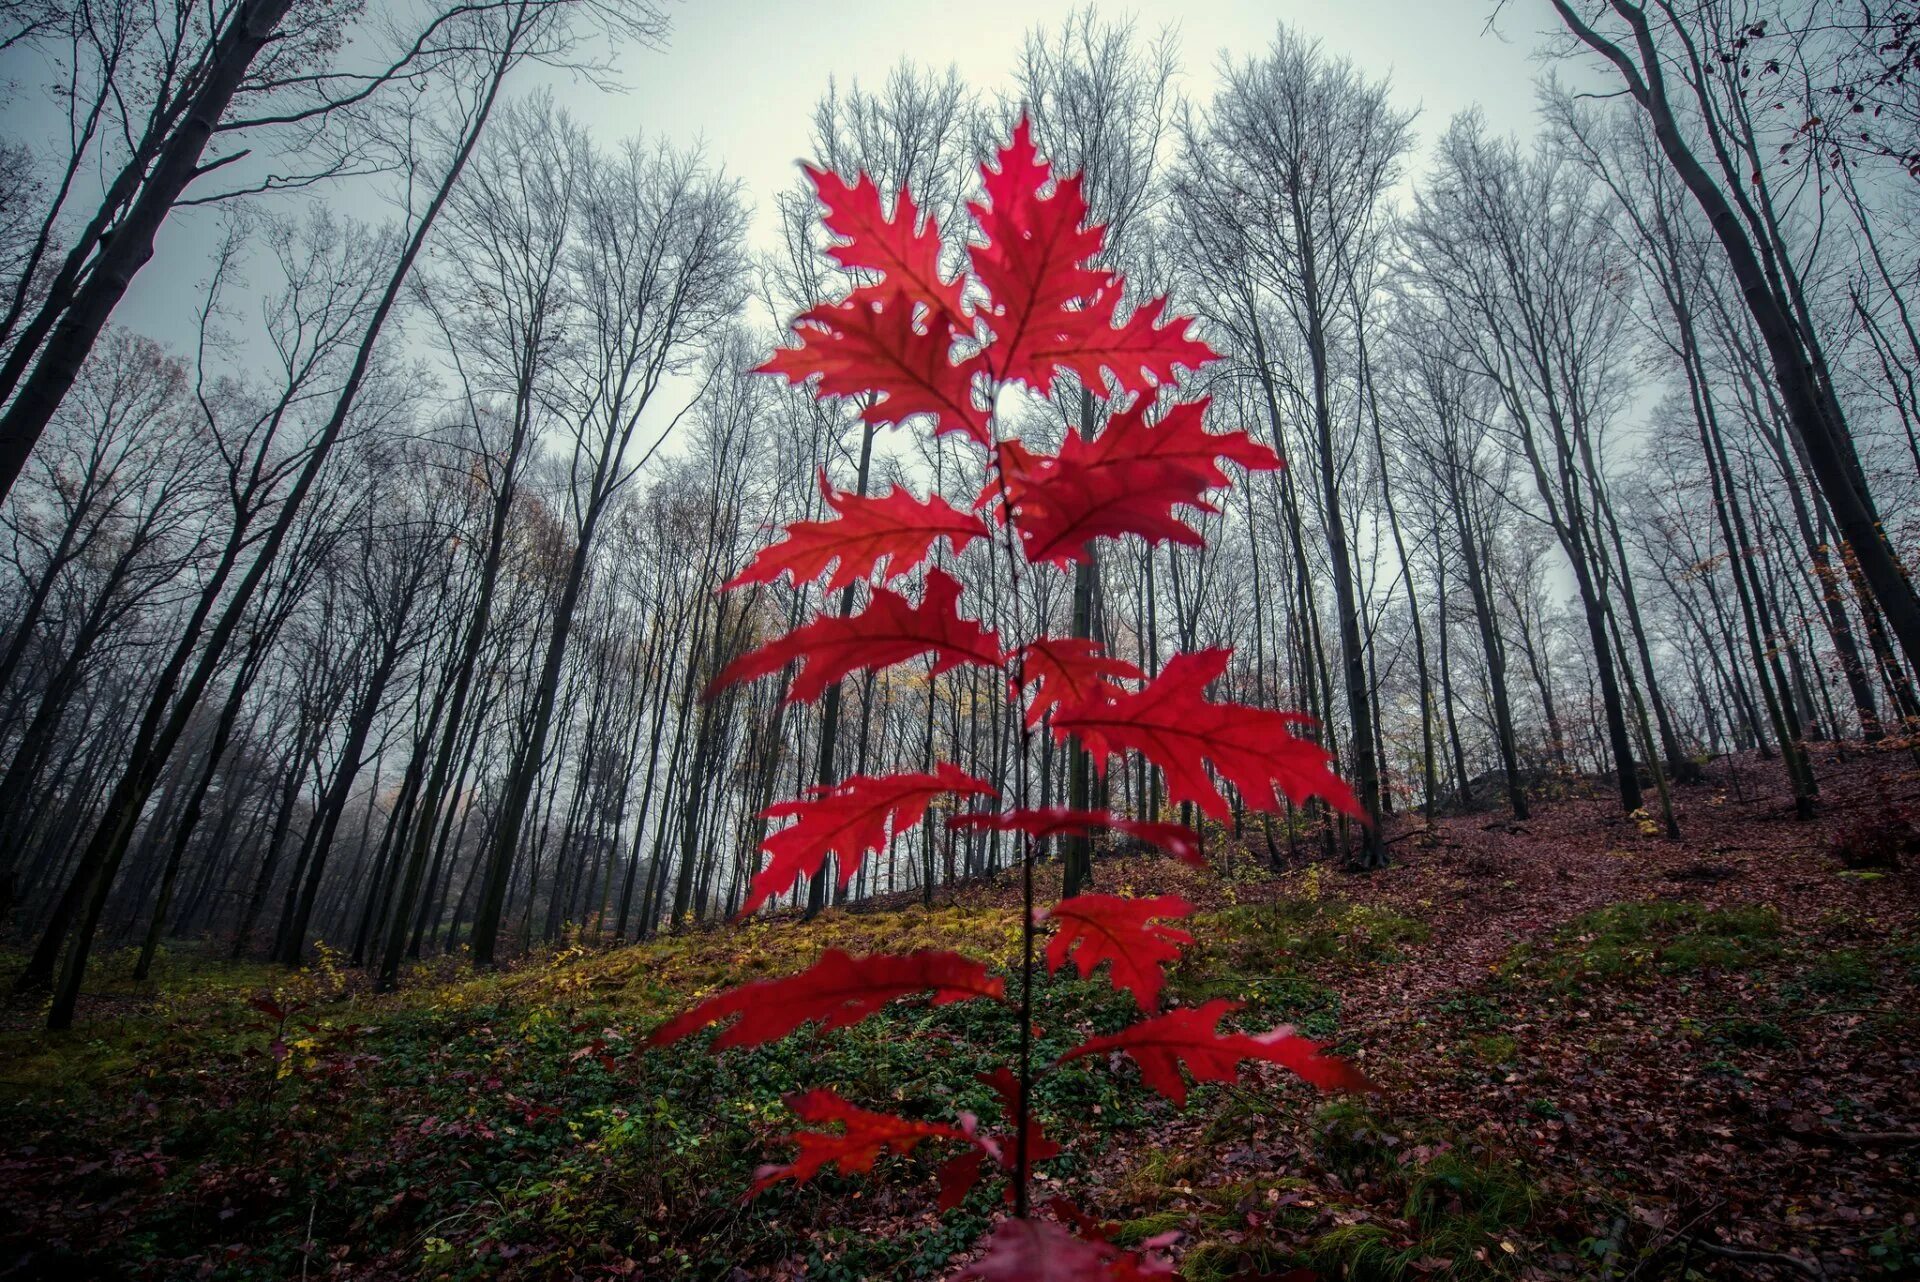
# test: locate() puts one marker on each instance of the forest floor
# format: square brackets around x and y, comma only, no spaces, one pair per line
[1603,1055]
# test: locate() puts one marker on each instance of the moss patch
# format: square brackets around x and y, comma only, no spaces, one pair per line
[1624,941]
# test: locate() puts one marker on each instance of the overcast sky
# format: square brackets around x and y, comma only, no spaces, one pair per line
[742,76]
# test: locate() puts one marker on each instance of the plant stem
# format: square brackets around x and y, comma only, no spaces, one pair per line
[1024,1121]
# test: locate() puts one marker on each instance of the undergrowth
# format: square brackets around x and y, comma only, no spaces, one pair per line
[1647,938]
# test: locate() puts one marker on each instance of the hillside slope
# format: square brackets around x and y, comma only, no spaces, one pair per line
[1603,1054]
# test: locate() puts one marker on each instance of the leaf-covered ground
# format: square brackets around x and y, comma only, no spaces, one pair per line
[1605,1055]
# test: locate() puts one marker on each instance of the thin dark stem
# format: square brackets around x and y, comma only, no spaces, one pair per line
[1024,1121]
[1020,1171]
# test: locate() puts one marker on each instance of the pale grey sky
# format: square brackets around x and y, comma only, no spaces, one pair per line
[742,77]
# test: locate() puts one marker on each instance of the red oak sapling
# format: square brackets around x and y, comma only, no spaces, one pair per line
[913,345]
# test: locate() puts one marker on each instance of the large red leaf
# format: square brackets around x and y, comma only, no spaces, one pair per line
[1127,480]
[1070,670]
[1033,259]
[849,820]
[837,990]
[1191,1035]
[872,344]
[1160,1044]
[903,248]
[864,1136]
[1050,307]
[1305,1060]
[1172,723]
[888,631]
[1091,929]
[1141,354]
[896,528]
[1178,443]
[1042,1251]
[1176,839]
[1059,510]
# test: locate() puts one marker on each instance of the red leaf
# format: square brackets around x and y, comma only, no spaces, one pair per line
[1158,1046]
[896,528]
[1180,442]
[1127,480]
[1190,1035]
[1172,723]
[1176,839]
[1033,258]
[1070,670]
[958,1175]
[1039,1148]
[1050,307]
[888,631]
[266,1005]
[838,990]
[870,344]
[1140,354]
[865,1135]
[1110,928]
[901,248]
[1042,1251]
[849,820]
[1304,1059]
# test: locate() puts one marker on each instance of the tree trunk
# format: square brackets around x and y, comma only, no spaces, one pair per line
[94,877]
[127,250]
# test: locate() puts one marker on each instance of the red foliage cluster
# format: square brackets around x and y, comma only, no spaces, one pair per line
[914,345]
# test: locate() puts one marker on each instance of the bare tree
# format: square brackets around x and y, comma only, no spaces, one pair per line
[1673,61]
[656,273]
[170,83]
[1297,154]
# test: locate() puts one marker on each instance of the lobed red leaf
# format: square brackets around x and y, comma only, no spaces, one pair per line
[838,990]
[863,1137]
[903,248]
[1070,670]
[1176,727]
[1127,480]
[1305,1060]
[871,345]
[1095,929]
[1033,257]
[849,820]
[896,528]
[888,631]
[1141,354]
[1191,1035]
